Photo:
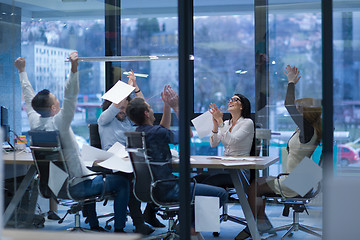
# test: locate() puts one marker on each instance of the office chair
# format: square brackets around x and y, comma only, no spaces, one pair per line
[145,186]
[298,204]
[46,149]
[95,141]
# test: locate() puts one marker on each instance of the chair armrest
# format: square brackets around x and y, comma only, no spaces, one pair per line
[278,181]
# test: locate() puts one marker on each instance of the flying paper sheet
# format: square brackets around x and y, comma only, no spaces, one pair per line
[91,154]
[118,92]
[305,176]
[115,159]
[207,214]
[203,124]
[57,178]
[119,150]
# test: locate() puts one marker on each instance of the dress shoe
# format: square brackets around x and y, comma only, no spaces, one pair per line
[98,229]
[119,230]
[152,220]
[244,234]
[52,215]
[144,229]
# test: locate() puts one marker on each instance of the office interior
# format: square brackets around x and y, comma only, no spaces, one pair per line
[207,51]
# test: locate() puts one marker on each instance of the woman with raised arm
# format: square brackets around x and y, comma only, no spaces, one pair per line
[307,116]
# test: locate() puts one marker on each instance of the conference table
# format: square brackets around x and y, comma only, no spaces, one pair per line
[19,158]
[234,165]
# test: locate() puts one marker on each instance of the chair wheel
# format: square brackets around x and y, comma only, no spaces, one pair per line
[216,234]
[108,227]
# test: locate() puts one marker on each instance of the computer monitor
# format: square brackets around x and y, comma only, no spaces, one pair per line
[5,123]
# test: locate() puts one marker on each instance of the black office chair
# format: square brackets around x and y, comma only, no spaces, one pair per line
[298,205]
[46,148]
[145,187]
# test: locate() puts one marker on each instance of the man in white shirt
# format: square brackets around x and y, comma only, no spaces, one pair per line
[44,113]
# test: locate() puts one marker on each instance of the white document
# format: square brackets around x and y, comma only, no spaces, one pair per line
[236,163]
[203,124]
[119,150]
[305,176]
[116,158]
[117,164]
[207,215]
[57,178]
[118,92]
[91,154]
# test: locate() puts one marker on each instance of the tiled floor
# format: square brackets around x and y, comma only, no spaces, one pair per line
[228,230]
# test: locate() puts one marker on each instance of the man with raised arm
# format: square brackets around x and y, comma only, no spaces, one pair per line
[44,113]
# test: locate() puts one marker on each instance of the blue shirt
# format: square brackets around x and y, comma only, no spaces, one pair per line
[157,140]
[111,130]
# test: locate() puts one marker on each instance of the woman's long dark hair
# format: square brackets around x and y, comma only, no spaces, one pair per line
[246,113]
[246,106]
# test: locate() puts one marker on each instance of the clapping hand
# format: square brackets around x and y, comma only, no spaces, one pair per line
[292,74]
[216,113]
[170,97]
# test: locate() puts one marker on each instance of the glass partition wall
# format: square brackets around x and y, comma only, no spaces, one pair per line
[239,47]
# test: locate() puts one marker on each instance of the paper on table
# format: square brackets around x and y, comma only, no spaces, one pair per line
[237,163]
[118,92]
[203,124]
[305,176]
[237,158]
[57,178]
[207,214]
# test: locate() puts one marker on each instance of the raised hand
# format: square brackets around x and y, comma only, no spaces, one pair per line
[73,57]
[216,113]
[20,64]
[170,97]
[292,74]
[132,80]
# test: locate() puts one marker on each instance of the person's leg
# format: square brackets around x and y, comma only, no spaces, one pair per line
[137,216]
[119,185]
[258,189]
[85,189]
[150,216]
[213,191]
[53,207]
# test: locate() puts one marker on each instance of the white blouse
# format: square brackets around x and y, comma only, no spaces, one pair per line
[237,142]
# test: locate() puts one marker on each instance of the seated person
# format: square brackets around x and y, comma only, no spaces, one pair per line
[307,117]
[236,134]
[113,122]
[44,113]
[158,138]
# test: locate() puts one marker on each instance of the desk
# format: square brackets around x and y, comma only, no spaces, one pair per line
[16,234]
[19,158]
[208,162]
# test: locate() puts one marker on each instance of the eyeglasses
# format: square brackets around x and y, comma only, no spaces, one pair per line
[234,99]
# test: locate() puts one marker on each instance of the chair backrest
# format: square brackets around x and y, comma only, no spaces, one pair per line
[136,147]
[94,136]
[46,148]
